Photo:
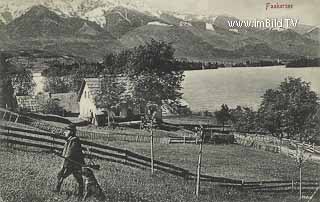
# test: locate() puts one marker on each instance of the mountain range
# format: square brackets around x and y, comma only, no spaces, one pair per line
[93,28]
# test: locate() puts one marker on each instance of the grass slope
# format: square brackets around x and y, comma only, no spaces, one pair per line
[30,176]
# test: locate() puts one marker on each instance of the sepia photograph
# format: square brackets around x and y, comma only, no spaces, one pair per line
[159,101]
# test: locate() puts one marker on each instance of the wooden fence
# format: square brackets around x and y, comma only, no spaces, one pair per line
[30,138]
[272,144]
[12,118]
[12,136]
[282,186]
[183,140]
[250,141]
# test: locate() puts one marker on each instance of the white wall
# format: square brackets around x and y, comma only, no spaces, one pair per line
[86,104]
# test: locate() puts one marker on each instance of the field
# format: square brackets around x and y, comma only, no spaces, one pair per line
[30,176]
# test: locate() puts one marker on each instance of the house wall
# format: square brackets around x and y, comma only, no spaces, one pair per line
[86,104]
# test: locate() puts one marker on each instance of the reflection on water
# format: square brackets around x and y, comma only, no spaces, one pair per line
[208,89]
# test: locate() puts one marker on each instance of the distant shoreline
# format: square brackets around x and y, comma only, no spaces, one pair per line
[232,67]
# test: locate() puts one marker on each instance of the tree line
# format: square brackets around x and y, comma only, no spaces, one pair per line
[304,62]
[261,63]
[289,111]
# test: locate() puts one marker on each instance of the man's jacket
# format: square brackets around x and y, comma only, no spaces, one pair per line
[72,150]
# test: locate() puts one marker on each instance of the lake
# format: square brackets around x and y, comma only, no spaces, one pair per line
[209,89]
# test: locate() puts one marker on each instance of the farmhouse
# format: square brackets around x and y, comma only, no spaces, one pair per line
[32,103]
[29,103]
[91,111]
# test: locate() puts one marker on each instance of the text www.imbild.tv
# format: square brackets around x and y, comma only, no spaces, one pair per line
[267,23]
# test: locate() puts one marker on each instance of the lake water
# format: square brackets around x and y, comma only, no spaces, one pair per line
[209,89]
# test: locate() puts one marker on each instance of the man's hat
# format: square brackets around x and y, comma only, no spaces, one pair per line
[71,127]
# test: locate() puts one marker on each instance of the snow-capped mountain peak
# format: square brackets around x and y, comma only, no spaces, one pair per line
[92,10]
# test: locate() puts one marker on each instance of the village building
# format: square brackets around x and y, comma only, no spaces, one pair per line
[185,24]
[68,102]
[29,103]
[93,112]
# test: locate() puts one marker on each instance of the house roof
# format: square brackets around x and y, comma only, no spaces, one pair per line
[95,84]
[30,103]
[68,101]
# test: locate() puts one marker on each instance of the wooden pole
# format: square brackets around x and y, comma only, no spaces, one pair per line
[10,117]
[16,121]
[151,146]
[4,116]
[300,191]
[199,164]
[313,149]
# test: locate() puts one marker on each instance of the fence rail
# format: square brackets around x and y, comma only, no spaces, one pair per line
[30,137]
[275,145]
[49,141]
[184,140]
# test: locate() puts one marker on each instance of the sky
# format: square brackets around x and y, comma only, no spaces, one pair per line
[307,11]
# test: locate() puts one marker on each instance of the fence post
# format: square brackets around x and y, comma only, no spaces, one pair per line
[8,137]
[242,184]
[313,147]
[199,163]
[291,185]
[151,146]
[4,116]
[16,121]
[280,145]
[300,191]
[10,117]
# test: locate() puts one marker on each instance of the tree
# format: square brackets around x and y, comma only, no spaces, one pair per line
[50,106]
[58,85]
[244,119]
[223,115]
[153,75]
[6,90]
[23,83]
[111,93]
[289,110]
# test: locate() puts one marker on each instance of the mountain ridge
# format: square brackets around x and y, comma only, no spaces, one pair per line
[43,28]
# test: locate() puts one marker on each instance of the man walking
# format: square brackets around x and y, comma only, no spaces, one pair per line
[73,159]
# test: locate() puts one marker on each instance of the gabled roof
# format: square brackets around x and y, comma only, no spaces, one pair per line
[68,101]
[94,85]
[31,103]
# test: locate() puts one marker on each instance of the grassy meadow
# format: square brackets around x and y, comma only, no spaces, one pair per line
[31,176]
